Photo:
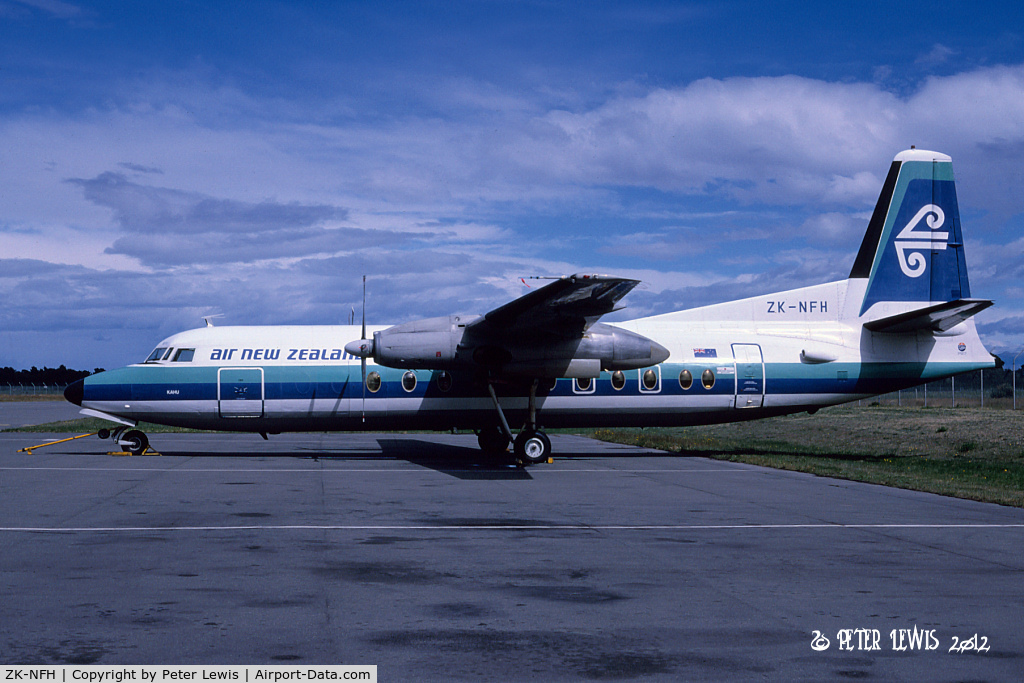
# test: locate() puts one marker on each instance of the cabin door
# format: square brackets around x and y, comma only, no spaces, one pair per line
[749,375]
[240,392]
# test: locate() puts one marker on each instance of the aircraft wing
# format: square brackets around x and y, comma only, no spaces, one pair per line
[550,332]
[565,308]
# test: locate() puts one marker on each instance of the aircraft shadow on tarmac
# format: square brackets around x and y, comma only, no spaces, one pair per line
[461,462]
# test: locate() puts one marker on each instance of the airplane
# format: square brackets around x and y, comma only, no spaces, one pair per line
[902,318]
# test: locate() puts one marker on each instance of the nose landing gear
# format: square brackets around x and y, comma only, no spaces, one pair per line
[131,440]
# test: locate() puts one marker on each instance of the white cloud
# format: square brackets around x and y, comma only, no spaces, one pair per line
[939,54]
[280,215]
[57,8]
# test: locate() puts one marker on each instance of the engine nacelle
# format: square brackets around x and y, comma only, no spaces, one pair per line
[602,347]
[446,343]
[428,344]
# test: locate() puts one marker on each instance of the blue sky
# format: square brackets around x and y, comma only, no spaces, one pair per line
[164,161]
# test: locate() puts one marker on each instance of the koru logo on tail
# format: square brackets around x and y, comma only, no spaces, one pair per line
[917,241]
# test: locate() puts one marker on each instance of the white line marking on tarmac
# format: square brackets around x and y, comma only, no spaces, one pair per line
[502,527]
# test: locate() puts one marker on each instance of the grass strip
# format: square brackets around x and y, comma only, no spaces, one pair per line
[91,424]
[965,452]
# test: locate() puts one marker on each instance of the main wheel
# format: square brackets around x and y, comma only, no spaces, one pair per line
[134,441]
[492,440]
[532,447]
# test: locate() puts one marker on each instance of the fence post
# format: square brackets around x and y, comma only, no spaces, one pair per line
[1014,375]
[982,371]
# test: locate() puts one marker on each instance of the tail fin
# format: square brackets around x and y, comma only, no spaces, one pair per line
[913,250]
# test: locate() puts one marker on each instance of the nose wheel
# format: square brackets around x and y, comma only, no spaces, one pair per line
[132,440]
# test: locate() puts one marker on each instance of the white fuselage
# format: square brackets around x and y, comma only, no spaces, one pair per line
[770,355]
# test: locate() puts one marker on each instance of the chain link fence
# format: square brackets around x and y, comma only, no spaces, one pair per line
[32,389]
[982,389]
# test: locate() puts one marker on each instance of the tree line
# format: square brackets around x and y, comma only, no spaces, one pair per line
[38,376]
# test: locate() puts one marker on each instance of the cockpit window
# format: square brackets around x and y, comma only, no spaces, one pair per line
[168,354]
[157,354]
[184,355]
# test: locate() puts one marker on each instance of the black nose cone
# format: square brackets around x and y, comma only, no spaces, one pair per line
[75,391]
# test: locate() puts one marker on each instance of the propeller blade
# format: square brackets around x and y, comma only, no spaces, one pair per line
[362,360]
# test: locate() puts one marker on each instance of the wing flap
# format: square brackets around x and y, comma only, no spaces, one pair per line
[568,305]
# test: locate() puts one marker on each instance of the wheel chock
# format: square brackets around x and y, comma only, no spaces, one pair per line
[148,451]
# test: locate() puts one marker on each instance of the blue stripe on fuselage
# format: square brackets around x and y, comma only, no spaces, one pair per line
[344,382]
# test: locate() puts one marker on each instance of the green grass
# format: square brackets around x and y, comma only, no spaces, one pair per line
[966,452]
[92,424]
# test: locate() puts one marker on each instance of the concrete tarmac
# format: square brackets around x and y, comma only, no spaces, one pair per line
[23,413]
[612,563]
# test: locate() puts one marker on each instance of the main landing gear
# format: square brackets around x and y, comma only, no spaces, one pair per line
[530,446]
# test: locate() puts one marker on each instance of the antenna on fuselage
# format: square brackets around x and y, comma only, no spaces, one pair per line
[208,319]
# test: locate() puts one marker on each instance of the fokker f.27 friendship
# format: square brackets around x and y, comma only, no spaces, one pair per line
[902,318]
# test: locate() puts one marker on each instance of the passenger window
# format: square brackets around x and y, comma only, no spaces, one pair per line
[618,380]
[583,385]
[373,381]
[444,381]
[409,380]
[685,379]
[707,378]
[649,381]
[184,355]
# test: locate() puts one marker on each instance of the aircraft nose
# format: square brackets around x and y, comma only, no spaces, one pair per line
[75,392]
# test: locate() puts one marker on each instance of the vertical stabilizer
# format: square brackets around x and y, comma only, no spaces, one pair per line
[913,250]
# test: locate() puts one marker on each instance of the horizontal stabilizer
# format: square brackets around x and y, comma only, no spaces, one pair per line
[937,318]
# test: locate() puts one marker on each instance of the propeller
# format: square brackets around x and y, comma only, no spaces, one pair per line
[362,360]
[363,348]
